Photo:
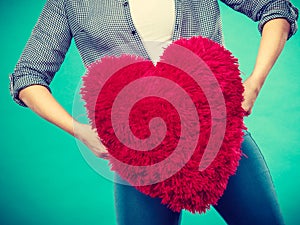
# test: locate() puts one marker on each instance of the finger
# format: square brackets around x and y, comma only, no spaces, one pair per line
[103,155]
[247,112]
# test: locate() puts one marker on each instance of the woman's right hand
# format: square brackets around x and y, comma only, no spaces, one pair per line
[39,99]
[90,138]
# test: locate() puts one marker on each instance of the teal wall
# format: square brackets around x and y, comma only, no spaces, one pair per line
[45,180]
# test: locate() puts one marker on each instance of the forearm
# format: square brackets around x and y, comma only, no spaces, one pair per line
[274,36]
[40,100]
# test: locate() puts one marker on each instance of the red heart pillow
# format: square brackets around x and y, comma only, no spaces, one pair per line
[173,130]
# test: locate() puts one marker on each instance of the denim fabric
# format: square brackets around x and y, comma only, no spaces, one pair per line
[249,198]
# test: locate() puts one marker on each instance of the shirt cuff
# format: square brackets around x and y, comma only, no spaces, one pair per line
[290,13]
[19,83]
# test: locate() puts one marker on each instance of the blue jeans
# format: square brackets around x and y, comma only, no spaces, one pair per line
[249,198]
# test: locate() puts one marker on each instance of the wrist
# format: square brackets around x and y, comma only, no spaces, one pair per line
[75,128]
[256,81]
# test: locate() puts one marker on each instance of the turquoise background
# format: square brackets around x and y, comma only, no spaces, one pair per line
[45,180]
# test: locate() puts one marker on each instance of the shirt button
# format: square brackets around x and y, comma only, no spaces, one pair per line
[133,32]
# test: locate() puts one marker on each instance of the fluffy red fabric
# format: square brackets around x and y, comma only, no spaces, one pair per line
[182,185]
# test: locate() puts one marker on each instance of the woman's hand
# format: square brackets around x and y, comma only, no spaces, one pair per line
[89,137]
[274,35]
[252,88]
[41,101]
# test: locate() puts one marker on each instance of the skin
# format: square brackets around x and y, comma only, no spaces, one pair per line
[41,101]
[274,36]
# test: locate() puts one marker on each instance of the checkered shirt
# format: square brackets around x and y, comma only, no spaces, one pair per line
[105,27]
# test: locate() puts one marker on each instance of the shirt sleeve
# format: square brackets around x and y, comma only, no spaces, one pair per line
[266,10]
[44,52]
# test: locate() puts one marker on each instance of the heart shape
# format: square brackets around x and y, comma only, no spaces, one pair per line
[173,130]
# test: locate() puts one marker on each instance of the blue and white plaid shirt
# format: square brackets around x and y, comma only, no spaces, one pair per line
[105,27]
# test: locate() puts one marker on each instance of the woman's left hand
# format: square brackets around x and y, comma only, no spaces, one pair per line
[252,88]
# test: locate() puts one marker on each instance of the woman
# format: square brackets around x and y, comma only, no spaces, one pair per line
[102,28]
